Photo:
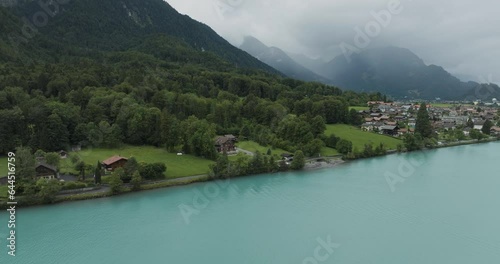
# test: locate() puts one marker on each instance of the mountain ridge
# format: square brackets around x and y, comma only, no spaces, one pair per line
[280,60]
[116,25]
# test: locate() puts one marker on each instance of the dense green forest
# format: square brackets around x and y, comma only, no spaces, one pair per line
[146,85]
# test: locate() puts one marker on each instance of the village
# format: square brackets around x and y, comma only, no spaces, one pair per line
[399,118]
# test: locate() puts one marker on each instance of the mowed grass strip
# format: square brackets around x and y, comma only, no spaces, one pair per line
[253,146]
[359,138]
[359,108]
[177,166]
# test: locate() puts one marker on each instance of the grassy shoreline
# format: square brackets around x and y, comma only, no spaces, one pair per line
[206,178]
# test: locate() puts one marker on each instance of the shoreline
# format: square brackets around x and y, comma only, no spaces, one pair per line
[311,165]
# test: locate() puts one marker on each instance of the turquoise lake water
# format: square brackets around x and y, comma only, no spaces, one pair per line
[447,210]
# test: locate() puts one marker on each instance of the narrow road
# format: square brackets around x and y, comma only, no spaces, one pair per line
[245,151]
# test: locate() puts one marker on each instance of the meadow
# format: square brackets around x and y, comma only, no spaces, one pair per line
[253,146]
[359,138]
[177,166]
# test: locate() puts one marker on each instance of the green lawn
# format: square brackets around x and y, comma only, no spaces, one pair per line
[360,138]
[177,166]
[254,147]
[359,108]
[4,191]
[327,152]
[3,166]
[442,105]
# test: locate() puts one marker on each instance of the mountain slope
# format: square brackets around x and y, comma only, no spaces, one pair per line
[279,60]
[122,24]
[315,65]
[397,72]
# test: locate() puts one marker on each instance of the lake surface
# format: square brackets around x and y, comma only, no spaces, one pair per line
[447,210]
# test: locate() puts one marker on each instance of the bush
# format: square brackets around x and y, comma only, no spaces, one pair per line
[136,181]
[299,161]
[48,190]
[344,146]
[73,185]
[115,183]
[152,171]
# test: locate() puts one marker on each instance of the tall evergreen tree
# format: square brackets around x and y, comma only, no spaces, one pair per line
[423,126]
[97,174]
[487,127]
[470,123]
[25,163]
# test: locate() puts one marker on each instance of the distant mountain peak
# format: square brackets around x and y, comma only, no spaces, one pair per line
[394,71]
[278,59]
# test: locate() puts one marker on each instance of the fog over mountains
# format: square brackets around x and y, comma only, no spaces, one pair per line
[460,36]
[397,72]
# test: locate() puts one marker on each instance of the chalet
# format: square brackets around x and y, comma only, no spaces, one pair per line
[389,123]
[114,163]
[495,131]
[404,131]
[478,125]
[46,171]
[389,130]
[225,143]
[367,127]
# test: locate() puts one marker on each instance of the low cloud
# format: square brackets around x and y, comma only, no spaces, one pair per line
[462,36]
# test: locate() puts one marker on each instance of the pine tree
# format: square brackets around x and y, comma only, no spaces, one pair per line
[487,127]
[97,174]
[470,123]
[423,126]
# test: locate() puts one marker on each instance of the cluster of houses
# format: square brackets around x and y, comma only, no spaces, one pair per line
[46,171]
[397,118]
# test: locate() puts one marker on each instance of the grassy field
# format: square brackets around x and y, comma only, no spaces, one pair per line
[327,152]
[3,166]
[3,192]
[442,105]
[359,108]
[177,166]
[360,138]
[254,147]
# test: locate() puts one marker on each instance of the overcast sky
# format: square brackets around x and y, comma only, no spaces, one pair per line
[462,36]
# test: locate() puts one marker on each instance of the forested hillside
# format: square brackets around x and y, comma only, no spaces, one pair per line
[97,79]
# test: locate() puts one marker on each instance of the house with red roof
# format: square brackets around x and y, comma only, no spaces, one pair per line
[114,163]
